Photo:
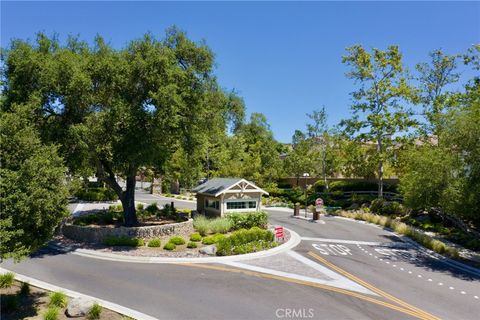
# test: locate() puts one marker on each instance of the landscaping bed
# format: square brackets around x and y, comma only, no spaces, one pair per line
[234,234]
[23,301]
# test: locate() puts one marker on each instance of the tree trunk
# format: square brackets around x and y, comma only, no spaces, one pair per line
[127,197]
[324,170]
[380,168]
[128,202]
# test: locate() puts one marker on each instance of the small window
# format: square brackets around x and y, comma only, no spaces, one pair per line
[235,205]
[215,204]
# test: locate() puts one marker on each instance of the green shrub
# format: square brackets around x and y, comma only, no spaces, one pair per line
[389,208]
[96,194]
[169,246]
[245,241]
[220,225]
[51,313]
[6,280]
[185,211]
[154,243]
[208,240]
[25,289]
[201,225]
[177,240]
[168,212]
[58,299]
[152,209]
[195,237]
[123,241]
[94,312]
[213,239]
[10,302]
[192,245]
[248,220]
[140,206]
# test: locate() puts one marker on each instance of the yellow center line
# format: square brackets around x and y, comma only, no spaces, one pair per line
[424,314]
[311,284]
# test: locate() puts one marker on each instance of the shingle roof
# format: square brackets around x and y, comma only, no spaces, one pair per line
[216,185]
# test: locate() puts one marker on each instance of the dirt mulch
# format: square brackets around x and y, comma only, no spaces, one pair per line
[34,305]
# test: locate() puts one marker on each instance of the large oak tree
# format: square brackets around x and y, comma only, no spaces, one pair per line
[114,111]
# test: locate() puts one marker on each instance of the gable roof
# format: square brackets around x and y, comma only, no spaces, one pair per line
[217,186]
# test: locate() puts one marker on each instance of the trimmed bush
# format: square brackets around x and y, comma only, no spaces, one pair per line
[248,220]
[177,240]
[58,299]
[25,289]
[213,239]
[169,246]
[155,243]
[192,245]
[6,280]
[245,241]
[123,241]
[195,237]
[94,312]
[51,313]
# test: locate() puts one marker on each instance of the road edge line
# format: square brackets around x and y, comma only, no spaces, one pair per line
[74,294]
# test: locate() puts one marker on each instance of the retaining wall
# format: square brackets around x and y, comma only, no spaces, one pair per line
[97,234]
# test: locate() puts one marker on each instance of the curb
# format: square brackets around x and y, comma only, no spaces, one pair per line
[421,248]
[291,243]
[174,199]
[74,294]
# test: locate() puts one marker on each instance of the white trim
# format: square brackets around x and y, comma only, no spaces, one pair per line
[237,183]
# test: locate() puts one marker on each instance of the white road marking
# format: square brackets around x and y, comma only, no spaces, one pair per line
[402,269]
[419,276]
[410,272]
[334,249]
[335,279]
[463,292]
[476,297]
[394,265]
[430,280]
[451,288]
[342,241]
[440,284]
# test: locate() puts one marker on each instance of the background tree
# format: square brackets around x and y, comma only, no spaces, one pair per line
[434,78]
[378,115]
[33,195]
[262,152]
[318,132]
[299,160]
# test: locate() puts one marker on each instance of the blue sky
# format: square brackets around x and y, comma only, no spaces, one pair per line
[284,58]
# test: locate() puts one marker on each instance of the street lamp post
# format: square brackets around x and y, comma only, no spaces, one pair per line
[306,175]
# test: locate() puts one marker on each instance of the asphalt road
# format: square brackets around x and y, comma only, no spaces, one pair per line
[408,283]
